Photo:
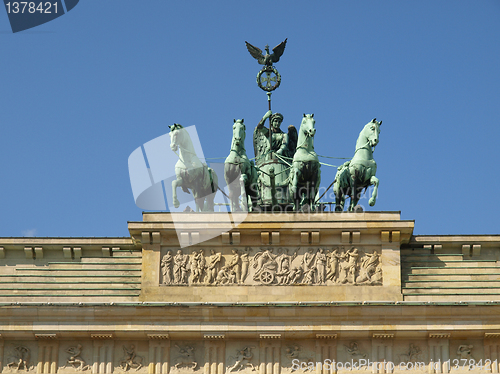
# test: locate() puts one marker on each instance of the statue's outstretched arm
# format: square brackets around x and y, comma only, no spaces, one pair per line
[263,120]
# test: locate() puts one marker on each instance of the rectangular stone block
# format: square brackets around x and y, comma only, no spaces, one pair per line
[2,252]
[106,251]
[345,237]
[396,236]
[384,236]
[77,253]
[264,237]
[356,237]
[476,249]
[226,238]
[466,249]
[184,239]
[38,253]
[304,237]
[67,252]
[235,238]
[145,237]
[156,237]
[315,237]
[275,237]
[28,251]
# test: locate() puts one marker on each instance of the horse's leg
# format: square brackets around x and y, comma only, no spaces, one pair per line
[339,197]
[374,182]
[243,193]
[176,183]
[314,192]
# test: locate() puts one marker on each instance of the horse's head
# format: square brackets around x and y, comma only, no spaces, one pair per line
[239,133]
[372,131]
[307,125]
[175,136]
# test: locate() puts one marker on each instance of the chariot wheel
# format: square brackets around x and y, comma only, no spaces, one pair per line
[266,277]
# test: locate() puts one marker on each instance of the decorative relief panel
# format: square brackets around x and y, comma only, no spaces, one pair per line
[272,266]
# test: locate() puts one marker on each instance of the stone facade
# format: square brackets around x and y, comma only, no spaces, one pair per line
[278,293]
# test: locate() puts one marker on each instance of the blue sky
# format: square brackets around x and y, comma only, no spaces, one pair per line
[80,93]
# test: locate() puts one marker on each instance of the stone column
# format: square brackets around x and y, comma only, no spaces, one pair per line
[103,354]
[159,355]
[214,357]
[270,354]
[47,357]
[492,351]
[439,353]
[382,353]
[326,352]
[391,259]
[1,353]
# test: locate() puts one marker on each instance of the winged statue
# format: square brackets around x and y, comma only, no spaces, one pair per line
[267,59]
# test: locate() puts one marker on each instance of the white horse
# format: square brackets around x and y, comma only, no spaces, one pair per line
[238,167]
[359,173]
[305,174]
[191,173]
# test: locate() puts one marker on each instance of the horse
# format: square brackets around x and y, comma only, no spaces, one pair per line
[305,174]
[358,173]
[239,172]
[191,173]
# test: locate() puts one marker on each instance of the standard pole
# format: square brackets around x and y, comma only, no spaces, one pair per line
[270,128]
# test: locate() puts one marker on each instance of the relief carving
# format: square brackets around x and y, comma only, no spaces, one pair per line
[20,358]
[273,266]
[130,359]
[413,354]
[198,266]
[464,352]
[243,360]
[185,358]
[75,359]
[213,267]
[180,268]
[166,268]
[354,351]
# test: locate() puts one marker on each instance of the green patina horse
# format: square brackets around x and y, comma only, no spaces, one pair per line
[239,172]
[190,172]
[359,173]
[305,174]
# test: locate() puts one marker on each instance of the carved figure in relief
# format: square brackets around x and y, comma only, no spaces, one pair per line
[265,265]
[197,266]
[130,360]
[368,267]
[186,358]
[180,268]
[292,352]
[284,263]
[353,350]
[166,268]
[308,260]
[20,358]
[349,267]
[213,266]
[333,262]
[464,352]
[245,262]
[310,276]
[75,359]
[413,354]
[225,276]
[377,277]
[234,265]
[320,265]
[243,358]
[295,275]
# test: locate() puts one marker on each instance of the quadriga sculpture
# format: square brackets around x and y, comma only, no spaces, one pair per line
[359,173]
[190,172]
[305,174]
[239,172]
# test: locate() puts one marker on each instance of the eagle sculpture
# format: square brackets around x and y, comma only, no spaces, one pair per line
[267,59]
